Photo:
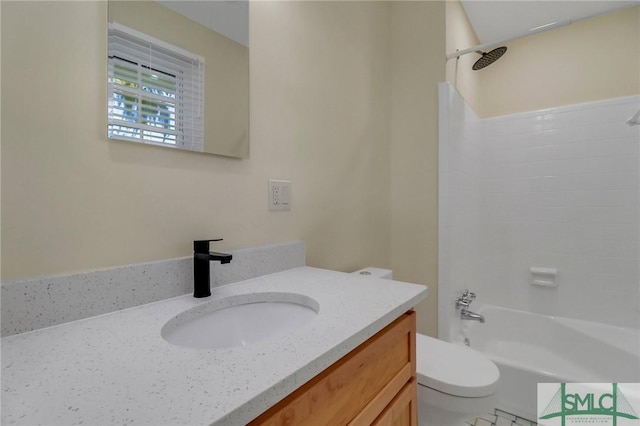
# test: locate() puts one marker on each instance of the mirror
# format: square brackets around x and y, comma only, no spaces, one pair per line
[187,26]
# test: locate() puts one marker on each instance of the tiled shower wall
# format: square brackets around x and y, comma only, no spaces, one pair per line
[557,188]
[460,196]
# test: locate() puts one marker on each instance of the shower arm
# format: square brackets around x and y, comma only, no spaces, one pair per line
[536,30]
[486,46]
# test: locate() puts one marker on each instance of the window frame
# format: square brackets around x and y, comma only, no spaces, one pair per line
[142,74]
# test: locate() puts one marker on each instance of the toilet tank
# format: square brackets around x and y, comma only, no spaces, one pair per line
[375,273]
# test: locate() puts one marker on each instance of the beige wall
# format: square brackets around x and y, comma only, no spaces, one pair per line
[343,103]
[598,58]
[74,201]
[226,83]
[418,64]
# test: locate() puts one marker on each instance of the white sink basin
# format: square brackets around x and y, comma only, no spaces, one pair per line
[240,320]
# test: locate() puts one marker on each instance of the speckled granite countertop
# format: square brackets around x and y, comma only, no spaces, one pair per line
[117,369]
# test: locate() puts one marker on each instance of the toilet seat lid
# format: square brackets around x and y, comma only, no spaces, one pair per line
[454,369]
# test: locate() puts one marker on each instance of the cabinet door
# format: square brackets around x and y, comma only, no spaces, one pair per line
[358,387]
[402,411]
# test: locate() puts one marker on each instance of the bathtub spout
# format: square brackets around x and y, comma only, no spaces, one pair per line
[468,315]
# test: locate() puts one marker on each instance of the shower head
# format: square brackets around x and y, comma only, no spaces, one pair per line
[489,57]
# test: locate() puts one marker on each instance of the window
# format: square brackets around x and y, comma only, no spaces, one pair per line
[156,91]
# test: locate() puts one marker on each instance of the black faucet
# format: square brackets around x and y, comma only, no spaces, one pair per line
[201,258]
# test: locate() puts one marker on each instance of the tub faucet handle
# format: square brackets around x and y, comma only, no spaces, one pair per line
[462,303]
[464,300]
[467,295]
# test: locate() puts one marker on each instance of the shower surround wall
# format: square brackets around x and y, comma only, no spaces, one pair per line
[557,188]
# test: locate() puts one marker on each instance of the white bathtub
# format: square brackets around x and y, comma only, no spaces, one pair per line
[530,348]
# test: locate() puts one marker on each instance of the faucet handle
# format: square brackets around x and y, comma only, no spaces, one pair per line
[467,295]
[202,246]
[464,299]
[462,303]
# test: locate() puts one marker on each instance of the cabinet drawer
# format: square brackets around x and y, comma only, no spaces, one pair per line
[402,411]
[358,387]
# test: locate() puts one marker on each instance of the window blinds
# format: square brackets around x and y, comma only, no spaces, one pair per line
[156,91]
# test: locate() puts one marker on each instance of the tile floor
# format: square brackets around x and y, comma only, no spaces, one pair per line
[501,418]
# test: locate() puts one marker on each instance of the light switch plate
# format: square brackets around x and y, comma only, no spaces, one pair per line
[279,195]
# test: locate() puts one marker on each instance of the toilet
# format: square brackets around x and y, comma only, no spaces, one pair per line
[455,383]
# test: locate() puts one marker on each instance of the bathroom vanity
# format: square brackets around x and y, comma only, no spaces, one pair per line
[354,362]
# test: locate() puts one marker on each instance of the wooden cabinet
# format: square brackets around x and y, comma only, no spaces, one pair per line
[375,384]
